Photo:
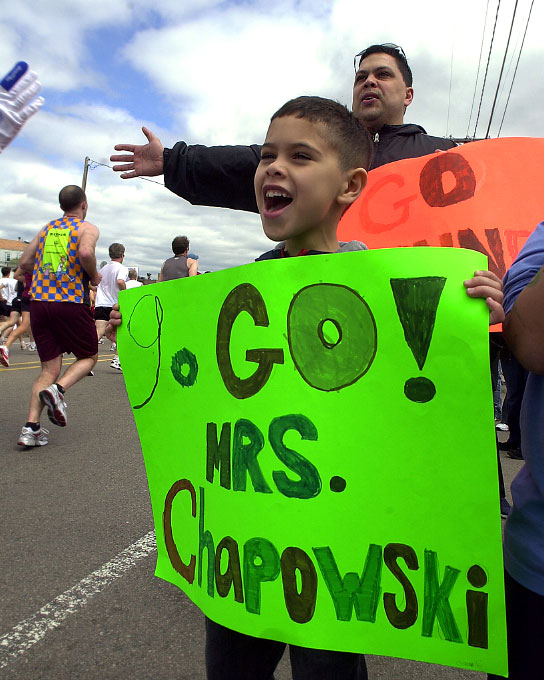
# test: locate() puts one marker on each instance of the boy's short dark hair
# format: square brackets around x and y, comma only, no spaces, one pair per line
[180,244]
[116,251]
[6,271]
[346,135]
[394,51]
[70,197]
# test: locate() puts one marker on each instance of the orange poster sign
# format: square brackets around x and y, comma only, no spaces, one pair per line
[485,196]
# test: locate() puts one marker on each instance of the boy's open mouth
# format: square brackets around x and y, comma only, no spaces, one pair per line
[275,200]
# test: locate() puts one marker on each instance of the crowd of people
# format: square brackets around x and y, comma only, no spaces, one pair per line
[15,287]
[312,166]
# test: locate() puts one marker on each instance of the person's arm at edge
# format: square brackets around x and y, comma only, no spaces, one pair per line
[523,328]
[87,244]
[159,277]
[192,266]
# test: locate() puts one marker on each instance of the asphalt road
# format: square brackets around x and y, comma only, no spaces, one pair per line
[78,598]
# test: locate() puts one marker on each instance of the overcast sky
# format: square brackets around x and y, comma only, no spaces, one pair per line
[212,72]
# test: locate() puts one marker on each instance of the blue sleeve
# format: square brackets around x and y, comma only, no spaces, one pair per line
[524,268]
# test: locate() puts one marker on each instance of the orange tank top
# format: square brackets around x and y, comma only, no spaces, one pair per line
[58,275]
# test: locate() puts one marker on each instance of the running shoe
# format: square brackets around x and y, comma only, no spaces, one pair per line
[4,356]
[101,341]
[32,347]
[30,438]
[115,363]
[56,406]
[113,347]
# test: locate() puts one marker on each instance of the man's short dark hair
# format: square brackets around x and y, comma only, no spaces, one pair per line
[180,244]
[116,251]
[394,51]
[346,135]
[6,271]
[70,197]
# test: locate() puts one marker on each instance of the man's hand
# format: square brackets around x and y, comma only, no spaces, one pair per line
[487,285]
[143,160]
[17,104]
[96,280]
[114,322]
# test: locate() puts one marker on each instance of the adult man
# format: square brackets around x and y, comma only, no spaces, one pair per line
[179,266]
[132,281]
[114,276]
[62,260]
[523,331]
[223,175]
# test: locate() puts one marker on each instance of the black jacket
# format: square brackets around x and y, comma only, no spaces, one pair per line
[222,176]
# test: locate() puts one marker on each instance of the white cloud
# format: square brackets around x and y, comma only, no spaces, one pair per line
[232,69]
[214,73]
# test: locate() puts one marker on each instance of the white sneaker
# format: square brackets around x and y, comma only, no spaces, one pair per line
[101,341]
[4,356]
[502,426]
[56,406]
[113,347]
[32,347]
[30,438]
[115,363]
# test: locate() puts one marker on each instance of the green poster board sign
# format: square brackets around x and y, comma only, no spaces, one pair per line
[295,418]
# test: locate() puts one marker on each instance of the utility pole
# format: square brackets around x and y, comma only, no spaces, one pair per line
[85,172]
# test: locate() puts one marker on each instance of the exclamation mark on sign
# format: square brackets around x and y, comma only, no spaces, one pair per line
[417,301]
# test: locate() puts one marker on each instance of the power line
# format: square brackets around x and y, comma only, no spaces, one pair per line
[478,71]
[503,84]
[502,68]
[487,67]
[516,69]
[139,177]
[449,95]
[111,168]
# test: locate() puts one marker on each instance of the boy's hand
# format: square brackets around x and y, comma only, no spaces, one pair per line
[487,285]
[115,320]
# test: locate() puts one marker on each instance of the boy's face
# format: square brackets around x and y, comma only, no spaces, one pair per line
[297,184]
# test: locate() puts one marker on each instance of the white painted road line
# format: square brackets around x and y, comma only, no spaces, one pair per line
[26,633]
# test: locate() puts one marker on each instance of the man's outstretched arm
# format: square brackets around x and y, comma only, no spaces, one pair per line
[220,176]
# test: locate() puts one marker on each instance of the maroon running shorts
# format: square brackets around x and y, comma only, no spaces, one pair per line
[63,327]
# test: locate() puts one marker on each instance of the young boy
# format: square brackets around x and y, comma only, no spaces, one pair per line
[312,168]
